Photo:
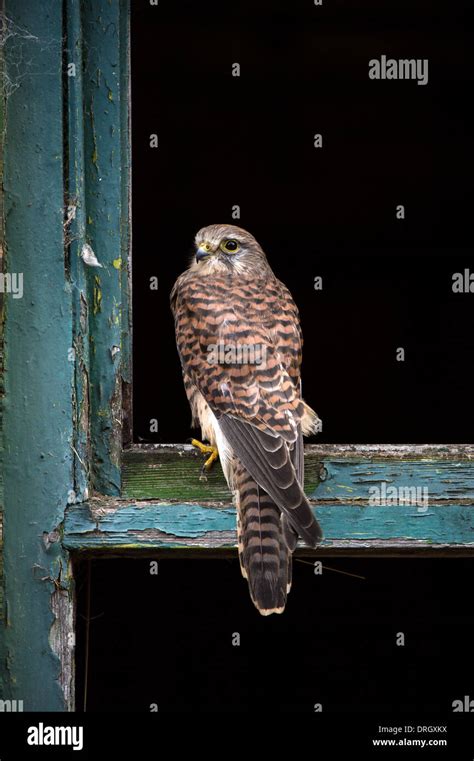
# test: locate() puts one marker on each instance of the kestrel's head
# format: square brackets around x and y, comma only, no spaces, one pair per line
[225,248]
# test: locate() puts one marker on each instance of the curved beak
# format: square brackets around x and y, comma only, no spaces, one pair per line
[203,251]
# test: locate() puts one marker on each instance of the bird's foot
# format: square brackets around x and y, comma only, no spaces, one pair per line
[213,453]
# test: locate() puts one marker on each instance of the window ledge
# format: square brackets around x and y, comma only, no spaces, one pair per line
[166,506]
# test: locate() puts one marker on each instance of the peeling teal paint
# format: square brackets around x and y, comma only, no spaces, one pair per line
[106,106]
[64,363]
[353,478]
[38,460]
[181,525]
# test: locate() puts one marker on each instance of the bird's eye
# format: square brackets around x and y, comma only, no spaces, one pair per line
[230,246]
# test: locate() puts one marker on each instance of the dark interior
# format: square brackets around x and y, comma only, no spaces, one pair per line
[327,212]
[167,639]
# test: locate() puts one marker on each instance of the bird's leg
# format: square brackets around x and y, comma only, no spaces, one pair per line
[205,449]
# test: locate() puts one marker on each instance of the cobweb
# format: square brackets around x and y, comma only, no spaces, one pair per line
[21,60]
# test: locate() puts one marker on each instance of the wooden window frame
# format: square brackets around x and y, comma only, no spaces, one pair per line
[66,187]
[74,484]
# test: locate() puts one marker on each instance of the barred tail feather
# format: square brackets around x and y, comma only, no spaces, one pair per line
[265,560]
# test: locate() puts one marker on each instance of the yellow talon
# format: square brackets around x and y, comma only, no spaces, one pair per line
[205,449]
[211,460]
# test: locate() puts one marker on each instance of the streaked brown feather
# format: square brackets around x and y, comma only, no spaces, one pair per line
[258,407]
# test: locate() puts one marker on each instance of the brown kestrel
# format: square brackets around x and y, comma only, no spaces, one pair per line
[240,343]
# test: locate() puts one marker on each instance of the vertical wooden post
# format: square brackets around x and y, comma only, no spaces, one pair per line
[66,183]
[38,431]
[97,190]
[105,24]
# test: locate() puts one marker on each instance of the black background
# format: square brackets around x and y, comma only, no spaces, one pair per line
[167,639]
[223,140]
[387,283]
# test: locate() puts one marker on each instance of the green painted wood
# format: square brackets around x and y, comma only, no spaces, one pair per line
[181,510]
[38,374]
[174,474]
[167,526]
[170,479]
[106,180]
